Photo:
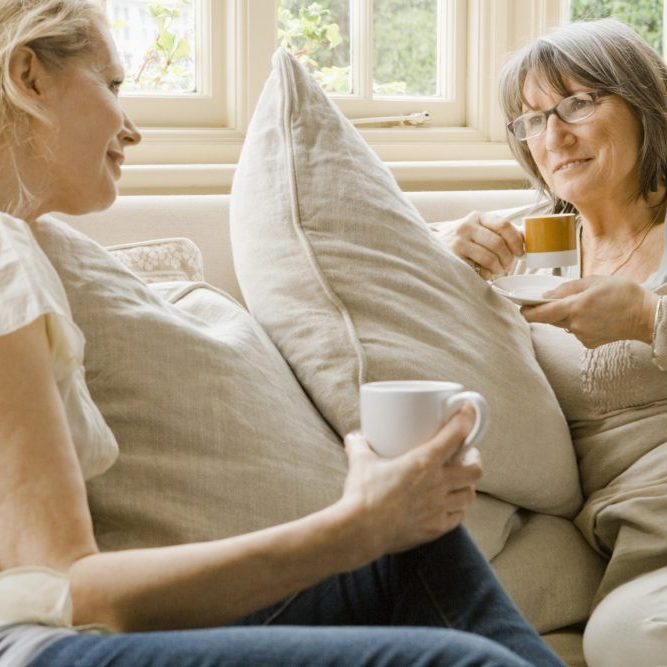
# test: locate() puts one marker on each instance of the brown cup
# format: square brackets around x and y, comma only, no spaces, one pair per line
[551,240]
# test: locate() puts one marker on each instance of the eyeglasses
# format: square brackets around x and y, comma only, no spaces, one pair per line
[570,110]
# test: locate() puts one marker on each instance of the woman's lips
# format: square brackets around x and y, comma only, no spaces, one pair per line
[117,159]
[567,165]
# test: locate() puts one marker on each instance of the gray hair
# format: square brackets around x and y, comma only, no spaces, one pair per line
[57,31]
[605,55]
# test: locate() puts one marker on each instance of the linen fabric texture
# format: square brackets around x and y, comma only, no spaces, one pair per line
[216,437]
[161,260]
[352,287]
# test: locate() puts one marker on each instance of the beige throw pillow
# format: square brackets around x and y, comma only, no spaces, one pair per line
[216,436]
[351,285]
[160,260]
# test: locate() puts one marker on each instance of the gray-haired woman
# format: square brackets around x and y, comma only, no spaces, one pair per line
[586,107]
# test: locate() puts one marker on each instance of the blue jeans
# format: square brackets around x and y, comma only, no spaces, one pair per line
[439,604]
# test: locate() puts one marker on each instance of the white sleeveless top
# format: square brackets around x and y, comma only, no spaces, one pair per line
[35,600]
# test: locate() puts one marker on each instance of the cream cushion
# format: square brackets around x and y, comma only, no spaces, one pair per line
[351,285]
[550,572]
[161,260]
[216,437]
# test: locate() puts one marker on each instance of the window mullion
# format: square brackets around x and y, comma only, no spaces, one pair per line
[203,49]
[447,56]
[361,12]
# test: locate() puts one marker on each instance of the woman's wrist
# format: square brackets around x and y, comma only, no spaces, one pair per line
[361,541]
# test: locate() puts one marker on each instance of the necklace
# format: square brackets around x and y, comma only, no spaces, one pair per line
[636,247]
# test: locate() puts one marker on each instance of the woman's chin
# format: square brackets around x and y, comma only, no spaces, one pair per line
[89,205]
[571,194]
[102,199]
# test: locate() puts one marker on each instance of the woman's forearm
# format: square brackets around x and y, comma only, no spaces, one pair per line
[213,583]
[388,505]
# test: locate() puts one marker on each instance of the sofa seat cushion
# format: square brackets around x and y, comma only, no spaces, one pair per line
[352,286]
[550,571]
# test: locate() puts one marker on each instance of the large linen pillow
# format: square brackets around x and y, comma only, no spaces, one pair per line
[351,285]
[216,436]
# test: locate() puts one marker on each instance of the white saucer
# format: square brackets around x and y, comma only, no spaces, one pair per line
[527,290]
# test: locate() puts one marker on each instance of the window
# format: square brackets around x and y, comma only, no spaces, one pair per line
[168,51]
[195,69]
[383,57]
[645,16]
[157,43]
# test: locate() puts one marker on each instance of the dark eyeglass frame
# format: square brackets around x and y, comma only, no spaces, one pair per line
[595,95]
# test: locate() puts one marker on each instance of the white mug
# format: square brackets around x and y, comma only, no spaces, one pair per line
[398,415]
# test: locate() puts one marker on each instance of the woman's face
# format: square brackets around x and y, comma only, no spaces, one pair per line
[84,155]
[594,160]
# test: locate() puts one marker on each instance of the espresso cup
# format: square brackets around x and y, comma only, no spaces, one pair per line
[399,415]
[551,240]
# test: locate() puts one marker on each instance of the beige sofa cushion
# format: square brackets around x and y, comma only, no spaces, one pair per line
[160,260]
[216,436]
[352,286]
[550,571]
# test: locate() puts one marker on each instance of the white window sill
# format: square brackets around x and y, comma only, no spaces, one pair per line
[413,175]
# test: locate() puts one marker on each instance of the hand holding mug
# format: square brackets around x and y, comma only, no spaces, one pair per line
[401,502]
[551,240]
[488,243]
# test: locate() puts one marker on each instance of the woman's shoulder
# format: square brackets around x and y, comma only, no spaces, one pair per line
[12,229]
[29,285]
[17,243]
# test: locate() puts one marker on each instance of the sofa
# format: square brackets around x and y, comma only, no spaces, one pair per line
[550,571]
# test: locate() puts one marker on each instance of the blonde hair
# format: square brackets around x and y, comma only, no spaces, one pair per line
[57,31]
[605,55]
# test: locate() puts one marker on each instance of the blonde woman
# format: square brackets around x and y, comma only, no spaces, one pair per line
[273,595]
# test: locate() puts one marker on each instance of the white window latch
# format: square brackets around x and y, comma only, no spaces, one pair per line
[418,118]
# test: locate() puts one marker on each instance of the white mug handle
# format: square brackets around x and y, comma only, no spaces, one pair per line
[478,402]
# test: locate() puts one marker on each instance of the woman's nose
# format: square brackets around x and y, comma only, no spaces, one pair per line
[557,132]
[129,135]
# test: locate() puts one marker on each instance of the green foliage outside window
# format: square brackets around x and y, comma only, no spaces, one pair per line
[645,16]
[405,45]
[312,34]
[167,62]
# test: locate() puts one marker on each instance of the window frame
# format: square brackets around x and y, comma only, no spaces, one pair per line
[209,106]
[448,109]
[200,159]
